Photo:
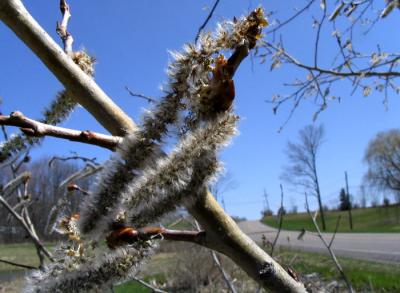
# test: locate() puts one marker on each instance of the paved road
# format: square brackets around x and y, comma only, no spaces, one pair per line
[383,247]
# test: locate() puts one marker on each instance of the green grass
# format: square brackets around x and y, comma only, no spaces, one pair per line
[362,274]
[379,219]
[24,253]
[131,287]
[382,277]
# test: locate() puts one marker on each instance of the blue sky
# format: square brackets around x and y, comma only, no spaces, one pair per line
[131,40]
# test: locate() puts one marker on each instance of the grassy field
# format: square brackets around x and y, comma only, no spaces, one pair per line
[379,219]
[363,274]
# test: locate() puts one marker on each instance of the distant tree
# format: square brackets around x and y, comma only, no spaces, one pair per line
[266,213]
[344,204]
[383,158]
[386,202]
[302,168]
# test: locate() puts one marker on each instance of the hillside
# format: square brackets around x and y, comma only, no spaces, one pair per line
[378,219]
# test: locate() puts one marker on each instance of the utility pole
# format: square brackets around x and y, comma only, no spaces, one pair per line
[348,200]
[266,202]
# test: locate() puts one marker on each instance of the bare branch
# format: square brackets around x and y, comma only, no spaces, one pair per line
[207,20]
[147,98]
[328,246]
[34,128]
[280,212]
[90,161]
[336,229]
[26,226]
[217,262]
[18,264]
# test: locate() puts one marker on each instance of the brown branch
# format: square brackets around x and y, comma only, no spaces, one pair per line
[35,128]
[18,264]
[128,235]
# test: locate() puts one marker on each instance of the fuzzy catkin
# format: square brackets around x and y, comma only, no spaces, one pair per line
[188,74]
[202,172]
[191,164]
[93,274]
[139,149]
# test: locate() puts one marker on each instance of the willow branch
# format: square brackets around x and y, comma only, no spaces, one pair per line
[81,86]
[35,128]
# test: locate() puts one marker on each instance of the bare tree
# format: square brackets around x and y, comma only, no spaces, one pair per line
[140,183]
[302,168]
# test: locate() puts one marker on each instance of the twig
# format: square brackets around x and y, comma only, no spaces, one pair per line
[328,246]
[224,274]
[13,184]
[74,157]
[63,203]
[128,235]
[20,219]
[18,264]
[152,288]
[62,28]
[147,98]
[294,16]
[87,171]
[206,21]
[34,128]
[336,229]
[280,223]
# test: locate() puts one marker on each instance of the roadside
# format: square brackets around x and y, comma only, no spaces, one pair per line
[381,247]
